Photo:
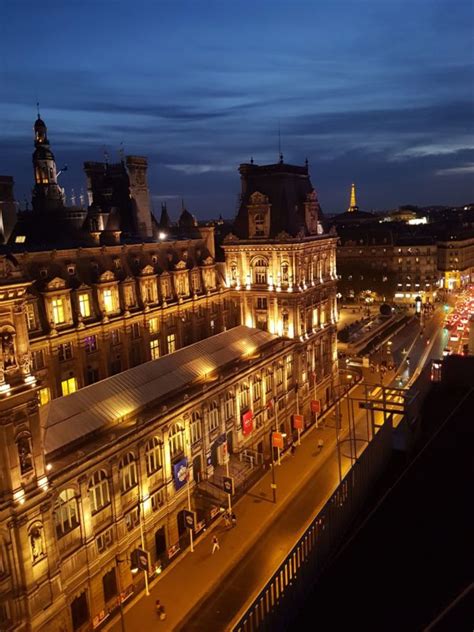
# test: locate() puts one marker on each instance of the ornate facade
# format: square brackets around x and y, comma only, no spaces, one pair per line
[89,474]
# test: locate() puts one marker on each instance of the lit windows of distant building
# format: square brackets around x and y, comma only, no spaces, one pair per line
[84,305]
[155,349]
[57,308]
[68,386]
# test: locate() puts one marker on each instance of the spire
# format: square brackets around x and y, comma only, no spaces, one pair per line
[353,203]
[165,221]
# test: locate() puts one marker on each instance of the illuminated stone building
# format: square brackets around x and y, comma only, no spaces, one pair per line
[281,267]
[117,313]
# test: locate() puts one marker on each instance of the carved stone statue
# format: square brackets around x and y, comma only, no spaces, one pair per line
[26,363]
[8,350]
[37,542]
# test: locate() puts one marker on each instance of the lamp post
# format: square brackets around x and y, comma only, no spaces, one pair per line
[122,620]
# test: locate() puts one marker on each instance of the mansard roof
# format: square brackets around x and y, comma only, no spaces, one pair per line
[287,188]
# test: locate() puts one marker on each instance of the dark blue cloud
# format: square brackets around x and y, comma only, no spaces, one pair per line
[376,92]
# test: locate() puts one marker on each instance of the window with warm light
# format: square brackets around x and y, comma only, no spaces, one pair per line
[44,396]
[155,349]
[171,341]
[20,239]
[108,301]
[213,416]
[128,472]
[153,455]
[153,325]
[229,405]
[57,307]
[99,493]
[196,427]
[260,268]
[257,389]
[176,440]
[68,386]
[84,305]
[244,395]
[66,515]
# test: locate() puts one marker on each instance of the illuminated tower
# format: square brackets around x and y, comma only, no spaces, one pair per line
[353,203]
[47,195]
[281,266]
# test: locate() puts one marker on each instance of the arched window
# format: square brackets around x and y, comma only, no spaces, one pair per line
[66,515]
[213,416]
[98,488]
[153,455]
[196,427]
[128,472]
[260,269]
[176,440]
[25,456]
[257,388]
[229,405]
[244,395]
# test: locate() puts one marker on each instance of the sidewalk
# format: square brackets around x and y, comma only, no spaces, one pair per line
[184,586]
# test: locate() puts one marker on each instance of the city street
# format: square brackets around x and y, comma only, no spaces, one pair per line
[229,578]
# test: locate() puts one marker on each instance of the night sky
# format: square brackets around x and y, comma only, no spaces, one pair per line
[379,92]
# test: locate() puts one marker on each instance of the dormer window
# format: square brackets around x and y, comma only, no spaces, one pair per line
[44,273]
[57,308]
[71,269]
[20,239]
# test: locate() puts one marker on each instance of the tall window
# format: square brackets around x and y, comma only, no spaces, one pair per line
[25,456]
[90,344]
[153,455]
[68,386]
[289,371]
[66,516]
[229,405]
[284,273]
[244,395]
[268,382]
[65,351]
[260,268]
[98,489]
[84,305]
[196,427]
[257,389]
[171,340]
[176,440]
[108,301]
[153,325]
[213,416]
[155,349]
[279,378]
[37,358]
[44,396]
[109,584]
[128,472]
[31,317]
[57,306]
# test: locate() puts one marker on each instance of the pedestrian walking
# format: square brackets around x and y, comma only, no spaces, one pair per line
[215,544]
[234,519]
[160,610]
[293,449]
[227,519]
[320,445]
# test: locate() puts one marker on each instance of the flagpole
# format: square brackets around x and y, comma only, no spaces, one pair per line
[189,509]
[142,538]
[315,397]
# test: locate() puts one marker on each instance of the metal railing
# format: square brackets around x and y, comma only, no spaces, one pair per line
[275,605]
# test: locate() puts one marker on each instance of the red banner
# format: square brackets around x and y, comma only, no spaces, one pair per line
[277,440]
[315,406]
[247,422]
[298,422]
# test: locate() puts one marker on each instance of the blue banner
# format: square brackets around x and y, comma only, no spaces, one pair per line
[180,473]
